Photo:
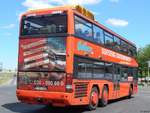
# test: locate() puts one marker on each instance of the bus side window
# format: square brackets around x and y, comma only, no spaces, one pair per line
[124,73]
[98,70]
[109,41]
[88,34]
[134,51]
[135,73]
[116,72]
[124,47]
[83,28]
[130,72]
[98,35]
[81,70]
[84,70]
[109,71]
[78,28]
[116,44]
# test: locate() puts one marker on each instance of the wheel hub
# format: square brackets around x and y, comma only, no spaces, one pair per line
[94,98]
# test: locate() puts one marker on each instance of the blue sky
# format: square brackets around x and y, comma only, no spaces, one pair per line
[129,18]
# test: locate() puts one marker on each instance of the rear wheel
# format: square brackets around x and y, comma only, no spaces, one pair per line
[94,99]
[104,99]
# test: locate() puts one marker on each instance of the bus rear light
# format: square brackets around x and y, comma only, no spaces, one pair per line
[69,83]
[68,86]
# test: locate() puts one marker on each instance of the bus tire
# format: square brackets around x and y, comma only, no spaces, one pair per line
[130,92]
[104,98]
[93,99]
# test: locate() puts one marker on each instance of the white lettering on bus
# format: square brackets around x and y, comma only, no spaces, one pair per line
[115,55]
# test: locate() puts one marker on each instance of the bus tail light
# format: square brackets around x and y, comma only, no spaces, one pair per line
[69,83]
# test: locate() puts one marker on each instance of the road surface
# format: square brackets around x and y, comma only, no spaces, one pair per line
[139,104]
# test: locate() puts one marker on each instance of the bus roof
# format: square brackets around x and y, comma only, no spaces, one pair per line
[46,10]
[68,7]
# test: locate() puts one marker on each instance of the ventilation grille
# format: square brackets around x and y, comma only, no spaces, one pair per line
[80,90]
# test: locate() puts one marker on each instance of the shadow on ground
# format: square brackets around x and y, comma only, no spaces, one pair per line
[26,108]
[120,99]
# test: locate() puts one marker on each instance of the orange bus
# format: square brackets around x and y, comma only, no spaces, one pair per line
[66,58]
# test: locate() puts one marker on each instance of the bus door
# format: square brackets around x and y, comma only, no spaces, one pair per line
[116,79]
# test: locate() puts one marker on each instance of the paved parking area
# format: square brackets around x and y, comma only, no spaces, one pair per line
[140,103]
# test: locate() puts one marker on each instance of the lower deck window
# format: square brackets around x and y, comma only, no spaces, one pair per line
[87,69]
[109,71]
[124,74]
[84,70]
[98,70]
[90,69]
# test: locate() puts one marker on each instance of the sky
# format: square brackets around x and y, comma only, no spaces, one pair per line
[129,18]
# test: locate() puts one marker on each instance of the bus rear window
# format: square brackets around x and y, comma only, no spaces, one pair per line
[44,24]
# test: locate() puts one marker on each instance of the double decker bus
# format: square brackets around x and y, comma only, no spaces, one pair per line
[66,58]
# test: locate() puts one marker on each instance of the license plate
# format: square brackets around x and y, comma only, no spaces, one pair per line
[40,88]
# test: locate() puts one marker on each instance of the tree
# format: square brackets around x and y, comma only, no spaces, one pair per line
[143,56]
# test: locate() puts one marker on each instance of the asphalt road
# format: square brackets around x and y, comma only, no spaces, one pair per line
[140,103]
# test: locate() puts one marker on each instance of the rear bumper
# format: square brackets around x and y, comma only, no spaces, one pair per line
[44,97]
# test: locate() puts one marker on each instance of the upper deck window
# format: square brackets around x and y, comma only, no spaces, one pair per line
[124,47]
[117,43]
[109,41]
[98,35]
[83,28]
[44,24]
[132,51]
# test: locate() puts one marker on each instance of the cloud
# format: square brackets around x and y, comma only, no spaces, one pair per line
[117,22]
[83,2]
[8,34]
[114,1]
[10,26]
[96,13]
[39,4]
[36,4]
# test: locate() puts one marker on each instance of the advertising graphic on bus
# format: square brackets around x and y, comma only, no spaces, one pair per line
[66,58]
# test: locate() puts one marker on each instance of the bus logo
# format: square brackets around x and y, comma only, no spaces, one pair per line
[82,46]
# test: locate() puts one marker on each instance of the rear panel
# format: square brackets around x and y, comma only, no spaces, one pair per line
[42,63]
